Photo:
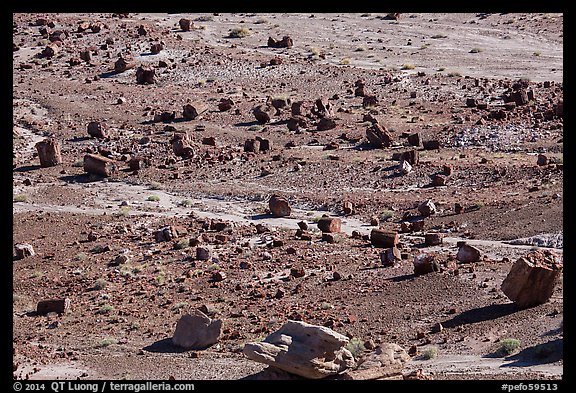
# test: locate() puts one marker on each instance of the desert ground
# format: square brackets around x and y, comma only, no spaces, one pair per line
[472,101]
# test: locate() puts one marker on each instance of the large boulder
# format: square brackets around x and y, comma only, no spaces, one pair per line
[303,349]
[532,278]
[196,330]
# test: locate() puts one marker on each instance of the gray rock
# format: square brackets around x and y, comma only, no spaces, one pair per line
[24,250]
[196,330]
[303,349]
[385,361]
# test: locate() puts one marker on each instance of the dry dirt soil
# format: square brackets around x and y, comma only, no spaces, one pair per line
[422,70]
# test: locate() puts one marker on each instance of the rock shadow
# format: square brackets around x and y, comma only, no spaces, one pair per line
[481,314]
[108,74]
[164,346]
[548,352]
[271,373]
[27,168]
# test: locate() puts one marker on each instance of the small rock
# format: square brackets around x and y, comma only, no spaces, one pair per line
[467,253]
[279,206]
[427,208]
[24,250]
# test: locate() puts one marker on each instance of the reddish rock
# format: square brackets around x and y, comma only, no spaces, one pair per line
[225,104]
[425,263]
[328,237]
[166,234]
[369,101]
[285,42]
[264,113]
[86,55]
[181,145]
[438,180]
[348,208]
[414,139]
[325,123]
[542,160]
[297,272]
[297,122]
[410,156]
[279,206]
[417,225]
[265,144]
[383,238]
[156,48]
[123,64]
[390,257]
[322,108]
[378,136]
[145,75]
[97,129]
[427,208]
[252,145]
[192,110]
[185,24]
[298,108]
[431,145]
[532,278]
[138,162]
[433,238]
[99,165]
[51,50]
[53,305]
[143,30]
[467,253]
[49,152]
[330,224]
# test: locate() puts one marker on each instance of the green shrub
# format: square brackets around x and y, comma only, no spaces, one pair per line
[407,66]
[21,198]
[105,309]
[239,32]
[153,198]
[429,353]
[508,346]
[106,342]
[155,185]
[386,215]
[356,347]
[100,284]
